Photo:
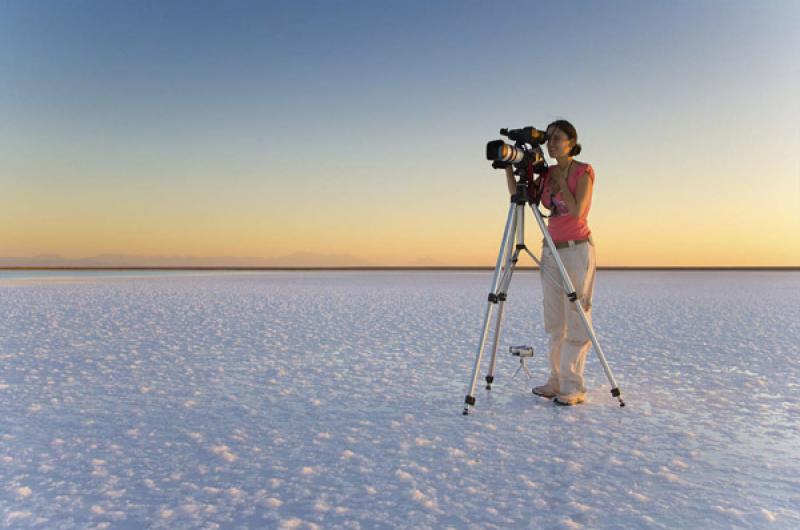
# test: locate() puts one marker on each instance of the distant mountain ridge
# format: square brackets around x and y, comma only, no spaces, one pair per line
[297,259]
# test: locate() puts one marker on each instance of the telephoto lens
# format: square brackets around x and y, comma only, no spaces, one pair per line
[499,150]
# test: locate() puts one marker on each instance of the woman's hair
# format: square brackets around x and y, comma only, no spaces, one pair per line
[568,129]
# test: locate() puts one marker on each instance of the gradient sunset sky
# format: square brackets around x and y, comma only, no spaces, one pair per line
[354,133]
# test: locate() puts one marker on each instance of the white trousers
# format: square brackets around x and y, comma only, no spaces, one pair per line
[569,339]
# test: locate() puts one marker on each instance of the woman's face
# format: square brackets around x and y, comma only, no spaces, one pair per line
[558,145]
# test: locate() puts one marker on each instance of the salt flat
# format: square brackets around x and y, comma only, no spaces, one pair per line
[333,400]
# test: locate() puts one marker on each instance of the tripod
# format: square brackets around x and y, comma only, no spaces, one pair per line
[504,269]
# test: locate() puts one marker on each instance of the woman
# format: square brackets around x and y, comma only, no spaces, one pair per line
[567,192]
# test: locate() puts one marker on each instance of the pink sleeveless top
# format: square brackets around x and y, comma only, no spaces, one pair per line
[561,225]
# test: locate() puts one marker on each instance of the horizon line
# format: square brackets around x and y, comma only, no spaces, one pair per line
[398,267]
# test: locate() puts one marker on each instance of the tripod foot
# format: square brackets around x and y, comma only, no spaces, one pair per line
[469,400]
[615,392]
[489,381]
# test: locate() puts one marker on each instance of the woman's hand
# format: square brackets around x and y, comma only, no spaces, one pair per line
[510,180]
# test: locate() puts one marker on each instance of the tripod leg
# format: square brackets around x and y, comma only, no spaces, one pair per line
[504,284]
[528,372]
[573,297]
[615,391]
[520,367]
[493,361]
[518,225]
[493,299]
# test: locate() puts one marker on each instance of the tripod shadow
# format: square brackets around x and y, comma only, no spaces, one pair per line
[516,399]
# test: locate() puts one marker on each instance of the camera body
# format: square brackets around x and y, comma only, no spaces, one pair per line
[526,156]
[524,152]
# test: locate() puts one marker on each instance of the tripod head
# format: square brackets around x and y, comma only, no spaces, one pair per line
[529,172]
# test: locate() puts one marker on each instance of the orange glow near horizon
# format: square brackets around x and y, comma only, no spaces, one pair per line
[421,240]
[632,226]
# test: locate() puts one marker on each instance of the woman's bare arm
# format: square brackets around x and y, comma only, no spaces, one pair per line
[578,203]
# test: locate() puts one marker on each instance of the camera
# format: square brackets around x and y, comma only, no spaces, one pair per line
[521,351]
[524,152]
[526,157]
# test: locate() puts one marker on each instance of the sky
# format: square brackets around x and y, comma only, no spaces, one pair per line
[353,133]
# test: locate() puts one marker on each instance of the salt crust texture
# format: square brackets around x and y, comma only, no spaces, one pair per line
[333,400]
